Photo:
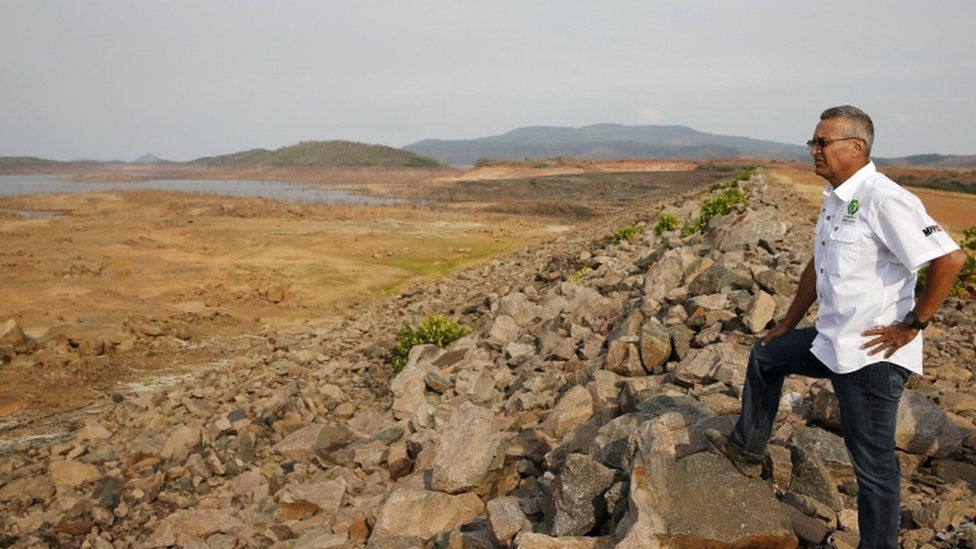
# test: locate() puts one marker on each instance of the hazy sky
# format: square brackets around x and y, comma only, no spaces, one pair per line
[113,79]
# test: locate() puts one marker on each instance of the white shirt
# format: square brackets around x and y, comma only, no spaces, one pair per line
[871,237]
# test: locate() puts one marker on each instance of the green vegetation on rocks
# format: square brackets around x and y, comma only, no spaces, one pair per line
[666,223]
[434,330]
[626,233]
[717,205]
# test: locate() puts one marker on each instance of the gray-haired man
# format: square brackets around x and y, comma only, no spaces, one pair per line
[870,239]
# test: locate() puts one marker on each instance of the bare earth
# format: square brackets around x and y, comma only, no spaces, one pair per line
[955,211]
[201,275]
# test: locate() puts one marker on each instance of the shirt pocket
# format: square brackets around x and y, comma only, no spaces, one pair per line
[845,249]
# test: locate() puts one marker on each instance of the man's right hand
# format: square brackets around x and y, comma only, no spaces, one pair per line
[777,331]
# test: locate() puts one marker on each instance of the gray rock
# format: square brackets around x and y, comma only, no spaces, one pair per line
[422,514]
[759,312]
[503,330]
[829,448]
[697,501]
[614,444]
[681,337]
[716,277]
[506,518]
[178,527]
[576,496]
[181,442]
[826,410]
[327,495]
[664,275]
[812,478]
[747,230]
[437,382]
[517,306]
[314,440]
[605,388]
[623,357]
[708,335]
[775,282]
[469,452]
[574,407]
[655,346]
[923,428]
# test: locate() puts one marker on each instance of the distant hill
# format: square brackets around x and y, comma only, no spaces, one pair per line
[930,161]
[323,154]
[149,158]
[16,162]
[605,141]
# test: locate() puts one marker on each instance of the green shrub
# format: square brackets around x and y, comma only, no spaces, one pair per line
[435,330]
[580,274]
[666,223]
[717,205]
[626,233]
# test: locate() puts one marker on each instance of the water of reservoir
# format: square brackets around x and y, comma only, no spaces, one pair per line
[19,185]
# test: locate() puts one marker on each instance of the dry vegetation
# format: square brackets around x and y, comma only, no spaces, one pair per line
[202,275]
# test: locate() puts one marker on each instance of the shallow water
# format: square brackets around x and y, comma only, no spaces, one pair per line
[20,185]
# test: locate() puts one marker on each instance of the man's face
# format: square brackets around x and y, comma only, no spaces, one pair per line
[835,160]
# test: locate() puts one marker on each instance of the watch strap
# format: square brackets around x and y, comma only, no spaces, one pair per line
[911,320]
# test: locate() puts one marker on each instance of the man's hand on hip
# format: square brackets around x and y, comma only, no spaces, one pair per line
[888,339]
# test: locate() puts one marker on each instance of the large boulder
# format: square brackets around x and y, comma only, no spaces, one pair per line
[186,525]
[724,362]
[576,502]
[829,448]
[924,429]
[623,353]
[469,452]
[716,277]
[655,346]
[811,478]
[747,230]
[697,501]
[759,312]
[517,306]
[664,275]
[415,514]
[574,407]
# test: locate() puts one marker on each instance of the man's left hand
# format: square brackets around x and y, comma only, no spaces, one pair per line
[888,339]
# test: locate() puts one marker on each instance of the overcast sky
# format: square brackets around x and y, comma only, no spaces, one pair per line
[113,79]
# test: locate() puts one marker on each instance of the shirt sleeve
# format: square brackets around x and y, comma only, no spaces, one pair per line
[910,233]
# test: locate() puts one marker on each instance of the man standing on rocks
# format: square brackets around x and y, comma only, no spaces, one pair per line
[871,237]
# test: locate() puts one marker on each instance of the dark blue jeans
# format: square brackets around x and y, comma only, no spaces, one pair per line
[869,410]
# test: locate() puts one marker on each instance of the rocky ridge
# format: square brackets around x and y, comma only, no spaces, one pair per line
[571,417]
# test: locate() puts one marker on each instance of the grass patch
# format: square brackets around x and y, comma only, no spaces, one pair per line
[434,330]
[626,233]
[717,205]
[666,223]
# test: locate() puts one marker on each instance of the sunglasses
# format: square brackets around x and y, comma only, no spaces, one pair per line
[822,142]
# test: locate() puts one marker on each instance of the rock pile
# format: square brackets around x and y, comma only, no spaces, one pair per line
[571,417]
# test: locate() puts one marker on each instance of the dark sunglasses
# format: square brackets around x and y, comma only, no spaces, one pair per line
[822,142]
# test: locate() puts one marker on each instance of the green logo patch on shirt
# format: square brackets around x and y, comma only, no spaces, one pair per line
[852,206]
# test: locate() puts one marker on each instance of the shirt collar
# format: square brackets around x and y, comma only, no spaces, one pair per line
[845,191]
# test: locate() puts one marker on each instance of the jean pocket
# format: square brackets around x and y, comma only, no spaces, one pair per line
[897,376]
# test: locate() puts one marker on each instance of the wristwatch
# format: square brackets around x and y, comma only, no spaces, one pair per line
[911,320]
